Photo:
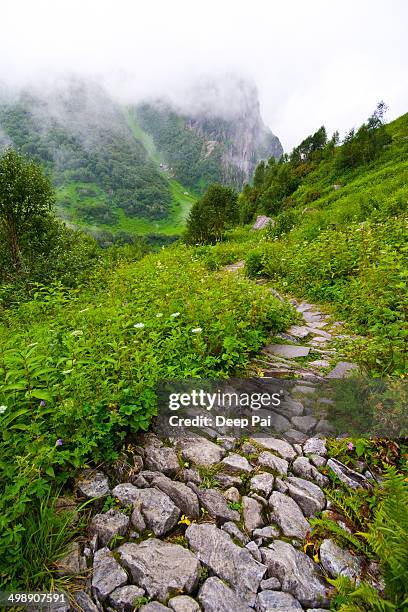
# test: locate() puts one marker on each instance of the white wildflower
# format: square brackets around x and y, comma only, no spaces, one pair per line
[197,330]
[175,314]
[138,325]
[3,409]
[159,314]
[77,332]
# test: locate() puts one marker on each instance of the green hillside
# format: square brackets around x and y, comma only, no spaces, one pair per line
[105,168]
[340,236]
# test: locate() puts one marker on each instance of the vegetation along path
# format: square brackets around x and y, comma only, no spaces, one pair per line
[240,523]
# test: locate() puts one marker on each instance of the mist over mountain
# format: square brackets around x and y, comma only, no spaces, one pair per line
[113,164]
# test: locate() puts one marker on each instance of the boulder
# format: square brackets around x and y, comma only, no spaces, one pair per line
[277,464]
[230,562]
[297,573]
[160,568]
[215,596]
[262,483]
[92,485]
[304,469]
[162,459]
[216,505]
[315,446]
[339,562]
[275,600]
[107,575]
[252,514]
[123,598]
[183,603]
[236,464]
[182,496]
[200,451]
[288,516]
[282,448]
[306,494]
[351,478]
[108,525]
[157,509]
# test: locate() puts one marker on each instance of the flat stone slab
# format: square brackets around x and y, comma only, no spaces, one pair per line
[161,568]
[342,369]
[228,561]
[215,596]
[288,350]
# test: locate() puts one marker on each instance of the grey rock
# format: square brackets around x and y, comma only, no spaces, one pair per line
[248,448]
[122,599]
[351,478]
[307,495]
[290,408]
[227,442]
[108,575]
[282,448]
[235,464]
[275,600]
[153,606]
[304,469]
[215,596]
[232,494]
[262,483]
[183,603]
[157,509]
[85,602]
[227,560]
[191,475]
[342,370]
[304,423]
[299,331]
[107,525]
[277,464]
[294,436]
[318,461]
[183,497]
[270,584]
[319,363]
[339,562]
[288,516]
[200,451]
[288,351]
[93,485]
[304,389]
[215,504]
[252,514]
[315,446]
[138,520]
[73,562]
[227,480]
[161,568]
[325,427]
[126,493]
[163,459]
[232,529]
[297,573]
[254,550]
[281,485]
[266,533]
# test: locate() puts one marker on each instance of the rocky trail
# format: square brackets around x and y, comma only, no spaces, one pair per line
[221,524]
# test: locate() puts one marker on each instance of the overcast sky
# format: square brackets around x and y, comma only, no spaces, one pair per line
[314,62]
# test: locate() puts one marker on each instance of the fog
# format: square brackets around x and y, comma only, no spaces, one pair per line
[313,63]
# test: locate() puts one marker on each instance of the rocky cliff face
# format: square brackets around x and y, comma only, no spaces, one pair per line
[215,134]
[228,114]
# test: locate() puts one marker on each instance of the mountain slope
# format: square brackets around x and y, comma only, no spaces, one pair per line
[218,136]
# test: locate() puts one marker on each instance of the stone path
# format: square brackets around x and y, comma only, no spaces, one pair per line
[220,525]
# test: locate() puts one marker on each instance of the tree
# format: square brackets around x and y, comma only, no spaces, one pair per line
[210,216]
[26,200]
